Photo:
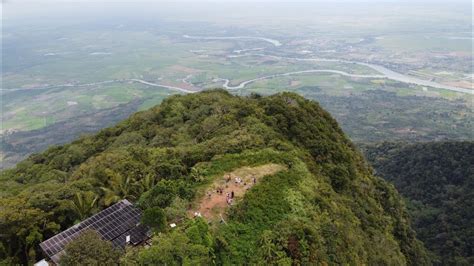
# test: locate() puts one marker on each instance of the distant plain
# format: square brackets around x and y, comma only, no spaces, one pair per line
[55,74]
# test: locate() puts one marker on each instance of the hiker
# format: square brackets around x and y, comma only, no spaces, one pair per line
[232,194]
[254,180]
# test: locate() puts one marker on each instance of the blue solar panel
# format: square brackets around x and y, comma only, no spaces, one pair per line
[112,224]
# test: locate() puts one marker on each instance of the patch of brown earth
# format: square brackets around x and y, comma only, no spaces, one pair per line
[218,196]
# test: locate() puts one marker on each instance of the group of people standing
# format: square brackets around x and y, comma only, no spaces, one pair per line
[230,195]
[220,191]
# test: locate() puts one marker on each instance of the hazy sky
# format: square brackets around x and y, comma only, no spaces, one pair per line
[23,11]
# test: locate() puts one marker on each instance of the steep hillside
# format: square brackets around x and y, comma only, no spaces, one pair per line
[317,202]
[437,178]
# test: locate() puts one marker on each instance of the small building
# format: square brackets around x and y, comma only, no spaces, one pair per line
[119,223]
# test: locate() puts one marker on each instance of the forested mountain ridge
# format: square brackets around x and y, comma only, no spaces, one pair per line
[437,179]
[325,207]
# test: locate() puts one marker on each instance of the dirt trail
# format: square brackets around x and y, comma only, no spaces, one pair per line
[214,203]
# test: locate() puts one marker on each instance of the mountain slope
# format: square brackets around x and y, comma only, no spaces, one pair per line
[438,180]
[325,207]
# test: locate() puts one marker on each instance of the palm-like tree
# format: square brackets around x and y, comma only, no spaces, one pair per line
[119,187]
[84,204]
[268,249]
[147,183]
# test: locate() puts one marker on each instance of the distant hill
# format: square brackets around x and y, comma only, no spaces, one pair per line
[315,200]
[437,178]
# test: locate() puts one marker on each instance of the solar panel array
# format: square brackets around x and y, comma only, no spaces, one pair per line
[137,235]
[111,223]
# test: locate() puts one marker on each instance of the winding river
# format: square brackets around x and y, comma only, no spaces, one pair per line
[272,41]
[384,72]
[162,85]
[104,82]
[245,83]
[390,74]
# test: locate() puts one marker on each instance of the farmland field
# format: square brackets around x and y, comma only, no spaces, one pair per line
[59,75]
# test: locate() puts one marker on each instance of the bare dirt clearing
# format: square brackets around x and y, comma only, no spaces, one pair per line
[218,196]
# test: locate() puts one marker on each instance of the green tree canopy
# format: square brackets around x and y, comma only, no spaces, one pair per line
[155,218]
[90,249]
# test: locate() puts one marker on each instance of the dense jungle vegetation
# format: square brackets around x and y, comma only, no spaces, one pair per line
[437,179]
[325,208]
